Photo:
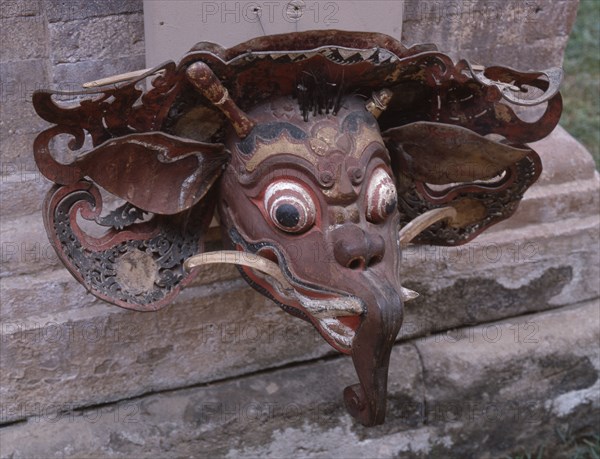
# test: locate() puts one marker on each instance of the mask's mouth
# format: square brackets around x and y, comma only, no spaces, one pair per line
[333,314]
[328,311]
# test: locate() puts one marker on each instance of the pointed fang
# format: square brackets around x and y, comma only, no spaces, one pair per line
[408,294]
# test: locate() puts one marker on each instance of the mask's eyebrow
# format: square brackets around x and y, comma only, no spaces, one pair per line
[376,148]
[267,132]
[353,121]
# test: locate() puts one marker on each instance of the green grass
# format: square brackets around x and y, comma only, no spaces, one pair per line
[581,87]
[566,445]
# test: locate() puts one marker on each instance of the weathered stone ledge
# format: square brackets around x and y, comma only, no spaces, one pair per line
[511,255]
[75,349]
[100,353]
[482,391]
[555,202]
[26,248]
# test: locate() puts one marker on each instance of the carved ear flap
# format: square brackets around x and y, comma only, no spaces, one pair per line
[440,165]
[166,181]
[153,171]
[138,262]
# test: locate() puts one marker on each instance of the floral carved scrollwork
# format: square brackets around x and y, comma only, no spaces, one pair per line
[135,264]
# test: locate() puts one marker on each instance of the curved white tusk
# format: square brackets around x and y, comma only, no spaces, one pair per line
[424,221]
[239,258]
[115,78]
[318,307]
[408,294]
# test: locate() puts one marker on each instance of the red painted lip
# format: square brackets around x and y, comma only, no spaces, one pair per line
[326,331]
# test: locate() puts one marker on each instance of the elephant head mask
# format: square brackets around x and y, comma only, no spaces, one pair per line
[321,153]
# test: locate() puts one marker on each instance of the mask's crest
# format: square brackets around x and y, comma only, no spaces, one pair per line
[318,95]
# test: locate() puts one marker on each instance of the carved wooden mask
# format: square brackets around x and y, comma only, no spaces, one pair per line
[322,154]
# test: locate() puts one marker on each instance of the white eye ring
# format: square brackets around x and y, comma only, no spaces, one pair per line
[290,206]
[381,196]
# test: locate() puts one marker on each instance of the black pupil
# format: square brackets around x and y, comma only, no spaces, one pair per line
[287,215]
[389,208]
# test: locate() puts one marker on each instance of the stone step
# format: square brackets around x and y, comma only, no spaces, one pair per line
[511,255]
[79,350]
[564,159]
[102,353]
[28,257]
[503,386]
[555,202]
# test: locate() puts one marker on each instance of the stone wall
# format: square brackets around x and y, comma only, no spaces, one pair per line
[498,352]
[527,35]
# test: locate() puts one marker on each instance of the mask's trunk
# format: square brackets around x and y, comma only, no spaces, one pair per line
[371,351]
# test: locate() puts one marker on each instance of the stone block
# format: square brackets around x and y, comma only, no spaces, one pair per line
[541,55]
[484,392]
[23,193]
[21,8]
[20,46]
[25,246]
[554,203]
[71,10]
[515,24]
[551,19]
[502,274]
[74,74]
[514,33]
[508,386]
[43,293]
[559,167]
[96,39]
[19,79]
[16,155]
[250,410]
[97,353]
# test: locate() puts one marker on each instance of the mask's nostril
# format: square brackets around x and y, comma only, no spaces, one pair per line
[356,263]
[373,261]
[355,249]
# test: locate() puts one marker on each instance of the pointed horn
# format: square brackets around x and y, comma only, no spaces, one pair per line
[207,83]
[113,79]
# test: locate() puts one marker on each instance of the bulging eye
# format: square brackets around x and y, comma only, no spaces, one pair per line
[381,196]
[290,206]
